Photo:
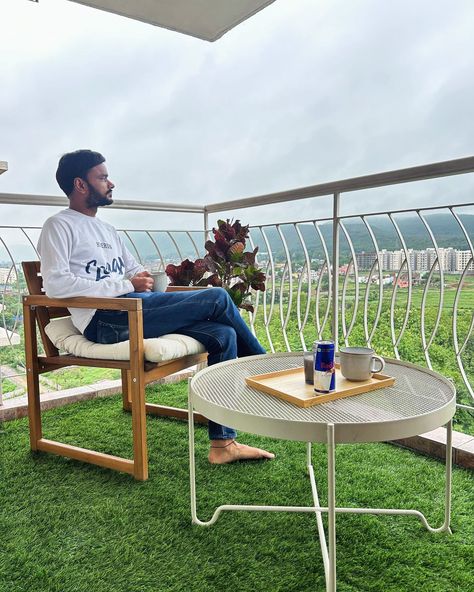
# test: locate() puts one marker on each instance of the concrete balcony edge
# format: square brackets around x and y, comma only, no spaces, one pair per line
[431,444]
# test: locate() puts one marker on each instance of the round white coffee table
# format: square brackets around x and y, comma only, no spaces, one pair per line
[419,401]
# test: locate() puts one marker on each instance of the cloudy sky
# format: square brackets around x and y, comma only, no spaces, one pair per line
[306,91]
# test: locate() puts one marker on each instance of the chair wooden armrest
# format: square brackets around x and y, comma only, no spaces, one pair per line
[39,309]
[84,302]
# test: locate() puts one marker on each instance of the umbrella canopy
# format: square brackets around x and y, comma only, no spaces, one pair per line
[205,19]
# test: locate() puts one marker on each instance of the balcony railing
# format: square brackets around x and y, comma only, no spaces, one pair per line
[400,281]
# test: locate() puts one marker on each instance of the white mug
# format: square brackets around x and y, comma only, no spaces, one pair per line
[359,363]
[160,281]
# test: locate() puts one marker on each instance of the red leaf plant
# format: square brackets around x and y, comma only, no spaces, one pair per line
[226,265]
[187,273]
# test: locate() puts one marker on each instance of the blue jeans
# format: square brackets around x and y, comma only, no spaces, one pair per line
[209,316]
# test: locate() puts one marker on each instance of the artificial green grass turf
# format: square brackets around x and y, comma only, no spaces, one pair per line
[71,527]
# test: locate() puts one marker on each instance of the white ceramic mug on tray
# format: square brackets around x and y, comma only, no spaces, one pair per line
[359,363]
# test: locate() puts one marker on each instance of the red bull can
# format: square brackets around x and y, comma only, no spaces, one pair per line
[324,369]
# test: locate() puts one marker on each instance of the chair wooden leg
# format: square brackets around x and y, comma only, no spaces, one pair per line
[32,376]
[126,400]
[136,390]
[140,449]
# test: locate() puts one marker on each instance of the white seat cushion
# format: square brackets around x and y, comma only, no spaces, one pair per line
[160,349]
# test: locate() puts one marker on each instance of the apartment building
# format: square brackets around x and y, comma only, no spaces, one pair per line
[450,260]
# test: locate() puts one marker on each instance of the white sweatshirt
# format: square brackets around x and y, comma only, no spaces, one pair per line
[84,256]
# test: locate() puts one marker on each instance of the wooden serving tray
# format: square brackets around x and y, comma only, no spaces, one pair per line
[290,386]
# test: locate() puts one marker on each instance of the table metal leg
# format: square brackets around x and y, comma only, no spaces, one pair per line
[329,556]
[331,581]
[449,473]
[192,462]
[318,513]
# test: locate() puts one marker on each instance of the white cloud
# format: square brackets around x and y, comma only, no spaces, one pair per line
[302,93]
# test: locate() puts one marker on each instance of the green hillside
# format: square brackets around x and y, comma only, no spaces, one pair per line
[445,229]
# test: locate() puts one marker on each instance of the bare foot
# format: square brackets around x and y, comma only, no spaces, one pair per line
[227,451]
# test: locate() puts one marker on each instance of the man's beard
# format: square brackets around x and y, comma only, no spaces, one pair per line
[96,199]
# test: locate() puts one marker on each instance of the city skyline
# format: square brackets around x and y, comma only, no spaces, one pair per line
[450,259]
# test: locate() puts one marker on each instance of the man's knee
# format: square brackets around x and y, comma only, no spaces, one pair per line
[219,293]
[227,338]
[227,335]
[221,296]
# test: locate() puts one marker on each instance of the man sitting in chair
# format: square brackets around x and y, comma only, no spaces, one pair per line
[83,256]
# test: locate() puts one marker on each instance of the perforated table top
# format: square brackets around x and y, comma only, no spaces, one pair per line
[420,400]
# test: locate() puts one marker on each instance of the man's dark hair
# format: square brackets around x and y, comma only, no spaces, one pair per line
[76,164]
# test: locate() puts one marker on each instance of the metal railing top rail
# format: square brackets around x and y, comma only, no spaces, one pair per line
[119,229]
[418,173]
[120,204]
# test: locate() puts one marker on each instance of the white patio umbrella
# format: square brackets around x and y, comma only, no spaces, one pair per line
[205,19]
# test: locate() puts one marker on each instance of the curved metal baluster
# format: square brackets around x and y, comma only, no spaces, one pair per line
[471,248]
[194,244]
[345,334]
[267,318]
[18,303]
[300,323]
[368,337]
[461,225]
[134,245]
[458,350]
[30,241]
[396,342]
[392,308]
[426,345]
[180,255]
[380,301]
[157,249]
[287,269]
[4,320]
[282,319]
[9,334]
[321,326]
[347,331]
[422,320]
[256,301]
[307,267]
[18,293]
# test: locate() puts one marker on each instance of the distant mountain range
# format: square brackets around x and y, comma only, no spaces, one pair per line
[445,229]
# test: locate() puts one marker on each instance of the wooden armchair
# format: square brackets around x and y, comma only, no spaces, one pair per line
[136,372]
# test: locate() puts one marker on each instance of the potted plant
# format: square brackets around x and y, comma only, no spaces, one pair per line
[227,264]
